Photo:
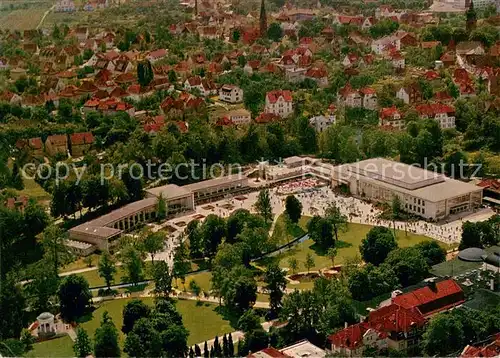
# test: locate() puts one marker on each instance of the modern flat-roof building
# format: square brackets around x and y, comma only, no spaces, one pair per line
[422,192]
[178,199]
[217,188]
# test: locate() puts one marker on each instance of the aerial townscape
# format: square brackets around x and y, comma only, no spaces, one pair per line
[262,178]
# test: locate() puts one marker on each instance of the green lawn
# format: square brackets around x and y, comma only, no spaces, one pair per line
[33,190]
[348,246]
[58,347]
[202,279]
[79,264]
[95,280]
[203,322]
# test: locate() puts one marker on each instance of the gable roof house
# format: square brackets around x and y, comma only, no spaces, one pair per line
[279,102]
[386,43]
[318,75]
[157,55]
[392,117]
[410,94]
[80,143]
[444,114]
[205,86]
[57,143]
[33,145]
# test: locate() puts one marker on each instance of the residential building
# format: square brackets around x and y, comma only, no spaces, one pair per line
[204,86]
[318,75]
[55,144]
[422,192]
[231,94]
[33,145]
[320,123]
[490,348]
[435,297]
[65,6]
[370,100]
[80,143]
[157,55]
[350,97]
[391,117]
[279,102]
[386,43]
[398,325]
[239,116]
[300,349]
[410,94]
[444,114]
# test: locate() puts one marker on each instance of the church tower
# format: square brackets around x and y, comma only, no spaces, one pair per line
[263,19]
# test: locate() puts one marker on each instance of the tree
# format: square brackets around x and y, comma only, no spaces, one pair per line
[53,240]
[82,346]
[337,219]
[74,297]
[309,263]
[275,280]
[181,262]
[408,264]
[106,338]
[132,312]
[230,345]
[294,264]
[194,287]
[332,253]
[197,351]
[153,242]
[162,279]
[367,282]
[471,236]
[239,289]
[107,269]
[443,336]
[161,208]
[143,340]
[206,352]
[42,289]
[133,264]
[275,32]
[263,205]
[377,244]
[12,304]
[249,321]
[432,252]
[16,180]
[225,347]
[174,341]
[213,231]
[235,35]
[293,208]
[321,232]
[195,237]
[144,73]
[395,211]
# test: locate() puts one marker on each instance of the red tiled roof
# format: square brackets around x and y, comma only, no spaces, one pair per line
[57,139]
[158,53]
[424,296]
[267,118]
[431,75]
[273,96]
[224,121]
[350,337]
[434,108]
[395,318]
[316,72]
[367,90]
[82,138]
[389,112]
[489,184]
[270,351]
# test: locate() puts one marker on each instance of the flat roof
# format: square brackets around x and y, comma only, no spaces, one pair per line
[303,349]
[214,182]
[434,191]
[99,226]
[169,191]
[396,173]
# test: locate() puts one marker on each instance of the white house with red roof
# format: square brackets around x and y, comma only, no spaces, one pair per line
[156,55]
[206,87]
[279,102]
[231,94]
[444,114]
[386,43]
[399,324]
[392,117]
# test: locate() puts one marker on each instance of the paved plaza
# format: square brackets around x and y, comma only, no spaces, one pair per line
[315,199]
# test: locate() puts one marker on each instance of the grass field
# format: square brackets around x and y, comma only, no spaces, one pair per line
[35,191]
[348,246]
[203,322]
[58,347]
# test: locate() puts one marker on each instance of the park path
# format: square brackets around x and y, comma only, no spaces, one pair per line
[44,16]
